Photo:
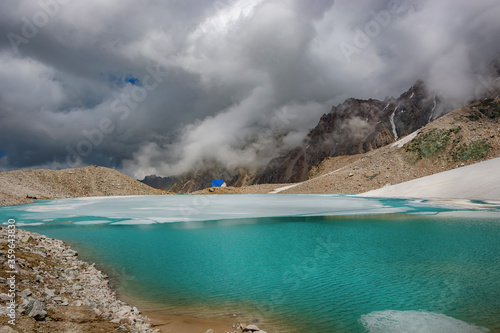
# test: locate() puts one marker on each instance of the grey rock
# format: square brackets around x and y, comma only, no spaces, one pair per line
[50,293]
[27,238]
[7,329]
[26,293]
[4,311]
[77,287]
[69,253]
[4,297]
[251,328]
[36,309]
[41,253]
[57,299]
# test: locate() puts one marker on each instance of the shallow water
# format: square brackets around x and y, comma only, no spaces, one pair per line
[298,263]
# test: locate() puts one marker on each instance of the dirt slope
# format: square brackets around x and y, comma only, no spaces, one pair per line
[82,182]
[465,136]
[462,137]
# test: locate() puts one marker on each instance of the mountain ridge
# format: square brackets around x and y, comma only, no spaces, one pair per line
[352,127]
[16,186]
[465,136]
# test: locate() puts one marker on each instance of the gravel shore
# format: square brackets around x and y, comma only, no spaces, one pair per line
[54,291]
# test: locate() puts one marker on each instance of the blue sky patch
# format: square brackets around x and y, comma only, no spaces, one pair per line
[121,80]
[132,80]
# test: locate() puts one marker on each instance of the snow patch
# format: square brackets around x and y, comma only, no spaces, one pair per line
[394,130]
[392,321]
[432,111]
[405,140]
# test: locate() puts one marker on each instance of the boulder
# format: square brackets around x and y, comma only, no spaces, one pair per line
[36,309]
[50,293]
[251,328]
[7,329]
[26,292]
[4,297]
[69,253]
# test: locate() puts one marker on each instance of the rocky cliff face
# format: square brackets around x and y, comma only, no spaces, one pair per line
[354,127]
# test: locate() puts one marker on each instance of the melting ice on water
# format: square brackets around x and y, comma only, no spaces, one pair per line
[185,208]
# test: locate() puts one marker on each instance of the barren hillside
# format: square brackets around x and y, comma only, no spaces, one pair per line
[463,137]
[82,182]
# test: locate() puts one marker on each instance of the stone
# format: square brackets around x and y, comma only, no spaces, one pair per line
[4,297]
[4,311]
[251,328]
[36,310]
[7,329]
[210,331]
[26,292]
[41,253]
[69,253]
[77,287]
[57,299]
[27,238]
[50,293]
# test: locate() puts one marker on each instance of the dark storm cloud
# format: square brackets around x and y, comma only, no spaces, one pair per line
[158,86]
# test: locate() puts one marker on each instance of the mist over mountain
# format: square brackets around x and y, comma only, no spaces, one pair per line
[352,127]
[162,87]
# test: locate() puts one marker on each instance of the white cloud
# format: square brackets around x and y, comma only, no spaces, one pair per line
[231,66]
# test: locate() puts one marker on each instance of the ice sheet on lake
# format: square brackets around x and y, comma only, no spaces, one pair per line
[391,321]
[185,208]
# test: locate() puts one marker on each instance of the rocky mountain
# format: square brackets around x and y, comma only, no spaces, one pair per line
[355,127]
[462,137]
[197,179]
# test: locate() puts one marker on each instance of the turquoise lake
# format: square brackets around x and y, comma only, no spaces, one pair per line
[296,263]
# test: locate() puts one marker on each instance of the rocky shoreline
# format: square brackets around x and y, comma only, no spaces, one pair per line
[54,291]
[45,288]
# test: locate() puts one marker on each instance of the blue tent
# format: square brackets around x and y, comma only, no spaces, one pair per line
[217,182]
